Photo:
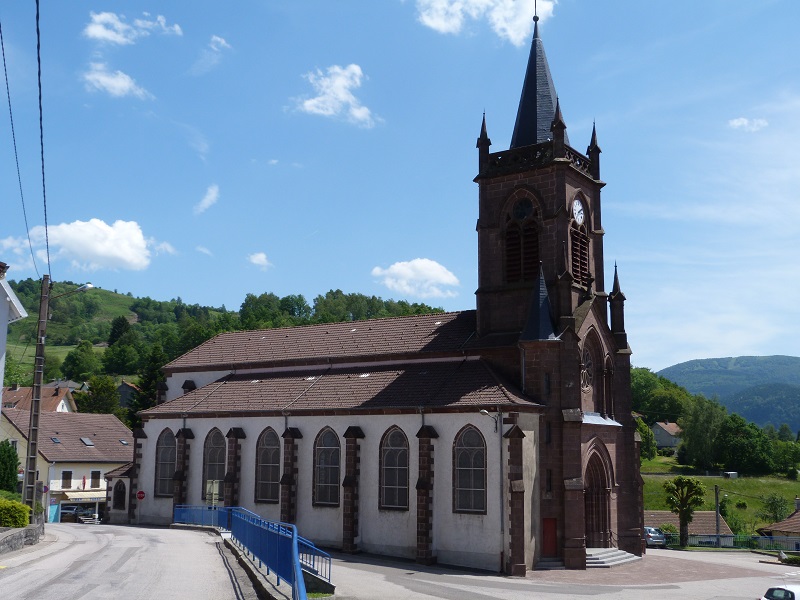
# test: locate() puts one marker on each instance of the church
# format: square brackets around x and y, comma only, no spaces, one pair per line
[499,438]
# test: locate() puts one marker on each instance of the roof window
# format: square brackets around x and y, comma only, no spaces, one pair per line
[55,440]
[87,441]
[124,442]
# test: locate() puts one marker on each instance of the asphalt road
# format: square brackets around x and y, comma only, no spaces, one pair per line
[662,574]
[106,561]
[109,561]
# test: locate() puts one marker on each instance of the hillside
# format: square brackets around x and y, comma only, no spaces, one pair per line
[772,403]
[724,377]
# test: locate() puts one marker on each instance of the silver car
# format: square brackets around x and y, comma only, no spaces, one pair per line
[655,538]
[783,592]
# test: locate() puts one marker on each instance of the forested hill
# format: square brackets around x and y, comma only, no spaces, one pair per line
[724,377]
[762,389]
[114,333]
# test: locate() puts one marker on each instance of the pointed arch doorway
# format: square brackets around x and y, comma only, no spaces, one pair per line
[597,498]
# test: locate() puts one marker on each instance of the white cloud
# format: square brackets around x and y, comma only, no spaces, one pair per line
[162,247]
[204,250]
[117,84]
[211,56]
[419,277]
[260,260]
[111,28]
[746,124]
[511,20]
[158,24]
[94,244]
[211,197]
[335,96]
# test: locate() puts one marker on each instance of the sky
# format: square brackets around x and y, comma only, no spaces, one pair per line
[208,150]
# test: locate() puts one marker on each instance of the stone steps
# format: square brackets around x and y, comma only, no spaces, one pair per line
[604,558]
[550,564]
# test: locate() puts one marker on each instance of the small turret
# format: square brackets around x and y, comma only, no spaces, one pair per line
[617,301]
[593,153]
[559,128]
[483,146]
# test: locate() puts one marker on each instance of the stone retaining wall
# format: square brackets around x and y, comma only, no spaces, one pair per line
[14,539]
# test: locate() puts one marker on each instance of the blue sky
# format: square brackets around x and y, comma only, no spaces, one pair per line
[207,150]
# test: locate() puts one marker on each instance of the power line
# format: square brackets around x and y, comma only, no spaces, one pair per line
[16,155]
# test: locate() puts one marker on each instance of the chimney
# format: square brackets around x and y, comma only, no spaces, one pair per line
[3,269]
[796,503]
[15,386]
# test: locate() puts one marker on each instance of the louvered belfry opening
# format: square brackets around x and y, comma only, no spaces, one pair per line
[522,243]
[580,255]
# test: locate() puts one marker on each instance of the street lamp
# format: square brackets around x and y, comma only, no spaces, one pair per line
[36,396]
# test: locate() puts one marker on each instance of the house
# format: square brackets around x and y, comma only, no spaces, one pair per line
[789,527]
[489,438]
[667,434]
[11,310]
[75,451]
[704,522]
[54,399]
[126,391]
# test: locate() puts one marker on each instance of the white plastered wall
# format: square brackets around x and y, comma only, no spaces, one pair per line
[476,541]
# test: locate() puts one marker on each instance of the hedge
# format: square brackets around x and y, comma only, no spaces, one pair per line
[14,514]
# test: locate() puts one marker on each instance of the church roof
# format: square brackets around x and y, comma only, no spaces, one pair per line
[453,385]
[538,101]
[426,335]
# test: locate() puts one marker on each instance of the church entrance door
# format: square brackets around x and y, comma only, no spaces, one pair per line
[597,498]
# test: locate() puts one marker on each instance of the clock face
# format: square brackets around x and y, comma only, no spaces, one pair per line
[577,211]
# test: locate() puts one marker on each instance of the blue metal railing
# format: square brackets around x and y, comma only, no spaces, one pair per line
[274,545]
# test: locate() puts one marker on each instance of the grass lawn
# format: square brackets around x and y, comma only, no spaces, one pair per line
[747,490]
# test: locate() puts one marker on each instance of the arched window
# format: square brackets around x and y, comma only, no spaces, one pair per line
[118,497]
[394,470]
[213,466]
[165,463]
[521,242]
[326,468]
[469,472]
[268,467]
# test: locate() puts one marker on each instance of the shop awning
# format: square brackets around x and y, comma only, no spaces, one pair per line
[83,496]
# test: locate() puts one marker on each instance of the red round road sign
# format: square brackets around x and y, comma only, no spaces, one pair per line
[140,495]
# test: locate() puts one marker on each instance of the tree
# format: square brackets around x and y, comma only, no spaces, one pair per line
[684,495]
[785,433]
[119,327]
[14,373]
[647,448]
[81,363]
[743,447]
[150,377]
[9,463]
[700,427]
[776,508]
[124,356]
[102,397]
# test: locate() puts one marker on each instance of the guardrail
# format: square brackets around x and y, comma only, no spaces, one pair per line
[745,542]
[276,546]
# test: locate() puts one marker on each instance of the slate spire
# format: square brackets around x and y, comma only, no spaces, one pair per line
[540,324]
[537,104]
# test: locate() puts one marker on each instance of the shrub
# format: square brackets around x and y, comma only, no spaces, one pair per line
[741,505]
[791,474]
[791,559]
[668,528]
[666,452]
[14,514]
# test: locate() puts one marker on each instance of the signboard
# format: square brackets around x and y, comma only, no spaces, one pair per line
[140,495]
[45,489]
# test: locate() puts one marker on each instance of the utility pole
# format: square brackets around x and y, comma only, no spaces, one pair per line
[716,504]
[38,375]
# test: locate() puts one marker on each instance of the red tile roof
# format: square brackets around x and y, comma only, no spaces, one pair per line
[331,342]
[105,432]
[20,398]
[459,385]
[704,522]
[789,526]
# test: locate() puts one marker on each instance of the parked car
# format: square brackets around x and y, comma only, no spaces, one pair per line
[654,537]
[71,512]
[783,592]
